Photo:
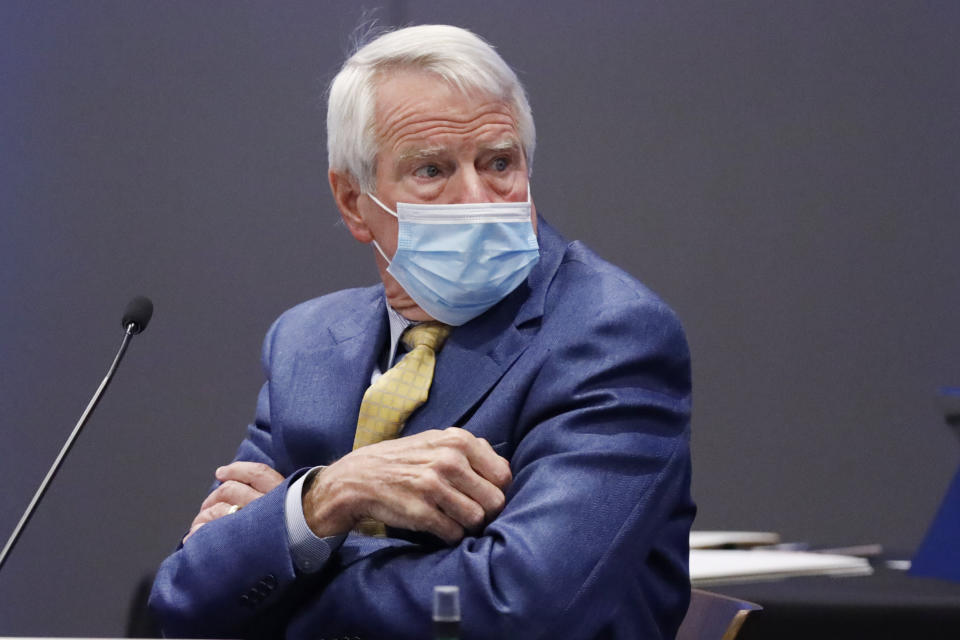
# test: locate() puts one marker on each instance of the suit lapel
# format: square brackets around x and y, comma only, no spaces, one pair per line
[328,383]
[471,362]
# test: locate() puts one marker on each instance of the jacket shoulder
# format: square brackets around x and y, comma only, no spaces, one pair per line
[586,284]
[309,324]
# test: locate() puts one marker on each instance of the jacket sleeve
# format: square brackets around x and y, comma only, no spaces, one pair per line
[230,571]
[227,574]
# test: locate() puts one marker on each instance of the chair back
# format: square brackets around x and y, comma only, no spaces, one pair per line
[712,616]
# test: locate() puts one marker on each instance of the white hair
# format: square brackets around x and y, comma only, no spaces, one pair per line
[458,56]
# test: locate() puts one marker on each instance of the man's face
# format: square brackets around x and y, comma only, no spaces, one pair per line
[437,146]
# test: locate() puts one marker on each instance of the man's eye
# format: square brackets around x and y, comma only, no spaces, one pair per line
[427,171]
[500,164]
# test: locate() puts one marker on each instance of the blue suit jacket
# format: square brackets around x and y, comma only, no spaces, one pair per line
[580,377]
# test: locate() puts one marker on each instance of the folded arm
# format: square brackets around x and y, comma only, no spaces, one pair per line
[592,535]
[594,532]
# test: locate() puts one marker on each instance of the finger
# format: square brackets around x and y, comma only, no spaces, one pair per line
[442,500]
[487,497]
[231,492]
[260,476]
[213,512]
[416,514]
[464,495]
[193,530]
[484,460]
[209,514]
[466,512]
[441,525]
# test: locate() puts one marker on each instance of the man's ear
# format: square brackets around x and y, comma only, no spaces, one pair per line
[346,192]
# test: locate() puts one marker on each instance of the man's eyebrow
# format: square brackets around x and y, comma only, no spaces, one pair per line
[418,153]
[430,153]
[503,145]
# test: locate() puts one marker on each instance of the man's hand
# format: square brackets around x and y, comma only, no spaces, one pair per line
[448,483]
[242,483]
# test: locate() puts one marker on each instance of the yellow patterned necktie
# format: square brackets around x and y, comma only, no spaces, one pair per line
[390,400]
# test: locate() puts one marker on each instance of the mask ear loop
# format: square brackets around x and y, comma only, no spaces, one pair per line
[382,206]
[377,246]
[375,243]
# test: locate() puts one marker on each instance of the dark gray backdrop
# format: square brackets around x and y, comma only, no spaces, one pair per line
[784,174]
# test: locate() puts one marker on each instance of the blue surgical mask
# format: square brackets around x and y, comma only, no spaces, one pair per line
[458,260]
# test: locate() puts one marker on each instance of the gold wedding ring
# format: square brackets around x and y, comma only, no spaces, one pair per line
[233,509]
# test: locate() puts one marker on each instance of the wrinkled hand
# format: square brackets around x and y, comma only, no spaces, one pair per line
[448,483]
[242,483]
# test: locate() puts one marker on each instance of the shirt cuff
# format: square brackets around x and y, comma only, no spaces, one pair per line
[309,553]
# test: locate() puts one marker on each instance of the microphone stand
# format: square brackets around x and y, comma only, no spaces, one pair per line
[131,329]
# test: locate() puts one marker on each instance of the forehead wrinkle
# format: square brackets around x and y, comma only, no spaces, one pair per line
[422,122]
[420,106]
[428,124]
[414,151]
[489,135]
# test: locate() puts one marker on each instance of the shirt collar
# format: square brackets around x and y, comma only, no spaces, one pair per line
[398,324]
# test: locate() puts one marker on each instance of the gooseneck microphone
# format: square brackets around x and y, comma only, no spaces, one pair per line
[135,319]
[137,315]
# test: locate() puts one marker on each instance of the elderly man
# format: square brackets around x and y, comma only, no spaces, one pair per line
[507,412]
